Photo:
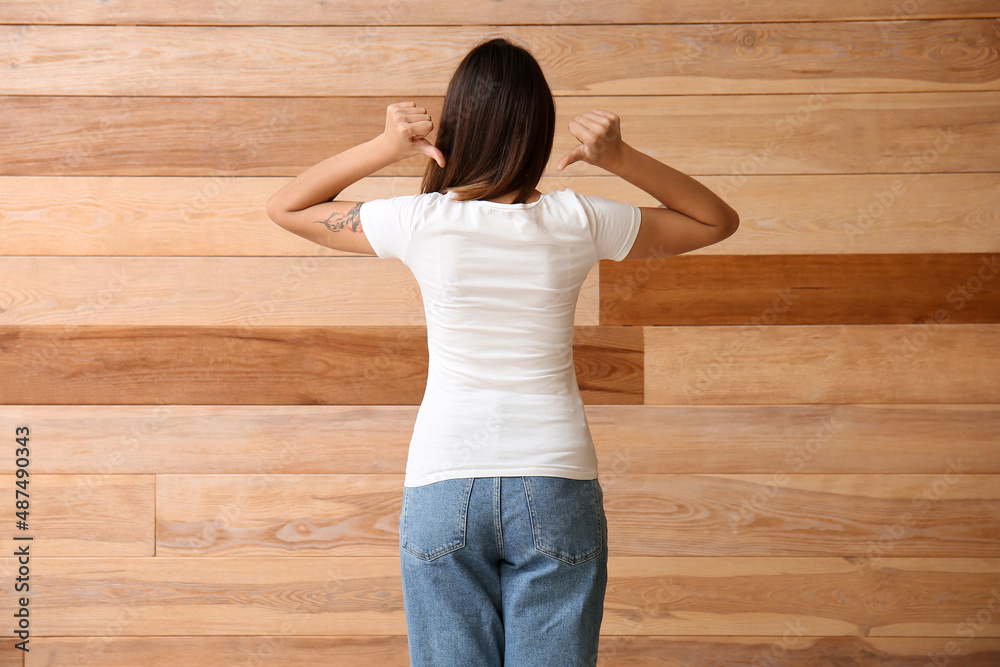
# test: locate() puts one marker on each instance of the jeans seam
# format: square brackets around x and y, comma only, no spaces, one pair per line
[497,513]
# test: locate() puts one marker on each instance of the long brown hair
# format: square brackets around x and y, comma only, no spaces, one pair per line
[496,125]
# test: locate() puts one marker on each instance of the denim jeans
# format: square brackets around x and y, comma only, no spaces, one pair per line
[504,571]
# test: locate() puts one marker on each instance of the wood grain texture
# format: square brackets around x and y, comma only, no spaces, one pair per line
[951,514]
[802,289]
[926,363]
[229,291]
[788,650]
[265,365]
[719,58]
[737,135]
[375,14]
[373,439]
[89,516]
[213,216]
[278,515]
[711,596]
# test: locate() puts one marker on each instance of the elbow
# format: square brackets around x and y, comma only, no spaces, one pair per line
[274,211]
[732,223]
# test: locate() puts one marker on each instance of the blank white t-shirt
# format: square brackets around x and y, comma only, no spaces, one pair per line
[500,284]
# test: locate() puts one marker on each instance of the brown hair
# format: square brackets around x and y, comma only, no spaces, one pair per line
[496,125]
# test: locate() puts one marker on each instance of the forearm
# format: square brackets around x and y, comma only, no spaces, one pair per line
[327,179]
[672,188]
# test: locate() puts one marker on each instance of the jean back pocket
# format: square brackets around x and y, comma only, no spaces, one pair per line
[432,522]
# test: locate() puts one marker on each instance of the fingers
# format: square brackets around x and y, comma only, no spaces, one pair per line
[574,155]
[430,150]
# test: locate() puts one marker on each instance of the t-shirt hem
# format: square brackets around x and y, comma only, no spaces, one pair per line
[412,480]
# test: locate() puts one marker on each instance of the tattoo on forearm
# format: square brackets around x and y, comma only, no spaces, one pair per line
[338,221]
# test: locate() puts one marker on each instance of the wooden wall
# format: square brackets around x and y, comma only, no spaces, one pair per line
[798,428]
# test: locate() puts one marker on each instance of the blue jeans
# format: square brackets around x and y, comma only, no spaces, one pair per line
[504,571]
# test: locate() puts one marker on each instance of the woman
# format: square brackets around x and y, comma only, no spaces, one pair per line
[503,540]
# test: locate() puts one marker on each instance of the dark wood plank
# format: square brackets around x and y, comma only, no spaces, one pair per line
[720,58]
[263,365]
[802,289]
[373,439]
[931,363]
[375,14]
[907,133]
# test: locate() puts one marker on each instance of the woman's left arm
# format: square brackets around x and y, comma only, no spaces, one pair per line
[304,205]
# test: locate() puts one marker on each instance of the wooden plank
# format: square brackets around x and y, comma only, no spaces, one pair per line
[213,439]
[272,515]
[926,363]
[284,61]
[379,13]
[347,596]
[349,365]
[802,289]
[373,439]
[272,650]
[787,650]
[81,516]
[793,650]
[752,596]
[736,135]
[210,216]
[854,516]
[233,291]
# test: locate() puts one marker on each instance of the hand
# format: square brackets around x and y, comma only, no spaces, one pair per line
[599,133]
[406,130]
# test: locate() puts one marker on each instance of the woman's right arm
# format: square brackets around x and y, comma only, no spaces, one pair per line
[694,216]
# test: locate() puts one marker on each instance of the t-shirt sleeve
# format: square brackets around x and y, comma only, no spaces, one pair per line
[387,224]
[614,225]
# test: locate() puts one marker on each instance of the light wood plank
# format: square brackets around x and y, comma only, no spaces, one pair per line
[270,650]
[373,439]
[828,214]
[802,289]
[736,135]
[263,365]
[90,516]
[855,516]
[346,596]
[787,650]
[379,13]
[214,439]
[271,515]
[653,59]
[230,291]
[926,363]
[793,650]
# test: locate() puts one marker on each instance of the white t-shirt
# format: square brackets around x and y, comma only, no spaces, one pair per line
[500,284]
